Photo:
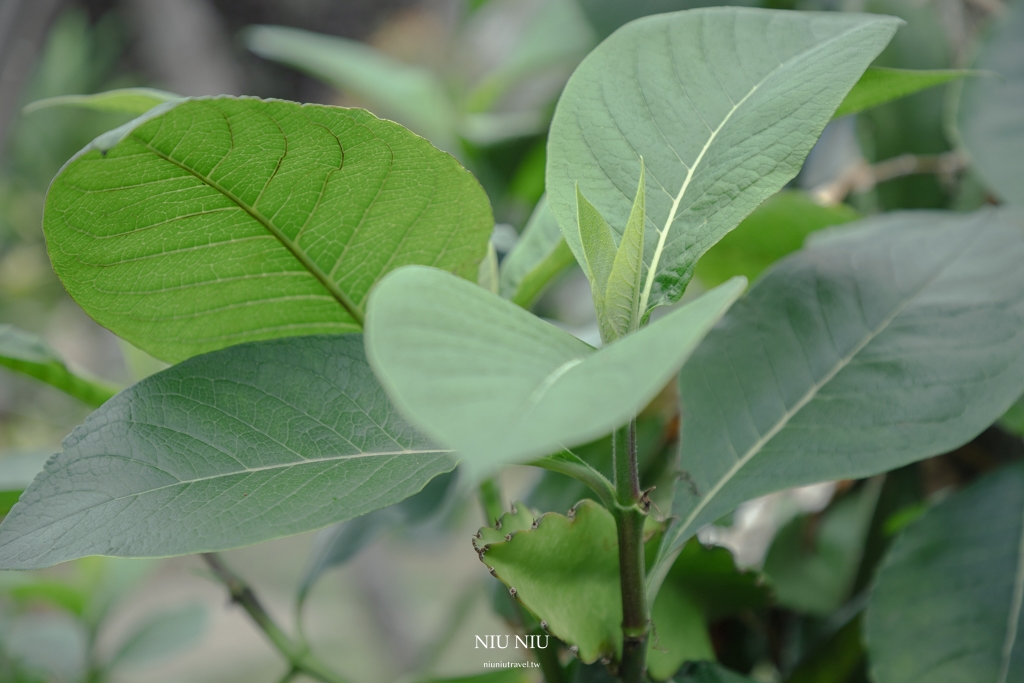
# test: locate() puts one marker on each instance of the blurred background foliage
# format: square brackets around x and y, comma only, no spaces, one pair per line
[480,79]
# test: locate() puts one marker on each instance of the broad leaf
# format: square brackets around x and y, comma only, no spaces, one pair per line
[538,257]
[776,228]
[990,108]
[723,104]
[947,602]
[211,222]
[879,85]
[876,346]
[30,355]
[234,447]
[498,384]
[413,95]
[126,100]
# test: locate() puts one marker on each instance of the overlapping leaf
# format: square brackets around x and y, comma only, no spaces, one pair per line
[876,346]
[723,104]
[233,447]
[540,254]
[498,384]
[212,222]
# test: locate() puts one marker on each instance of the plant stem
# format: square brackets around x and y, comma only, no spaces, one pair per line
[490,498]
[300,659]
[629,521]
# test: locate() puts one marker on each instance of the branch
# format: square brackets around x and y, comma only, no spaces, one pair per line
[630,515]
[298,656]
[862,177]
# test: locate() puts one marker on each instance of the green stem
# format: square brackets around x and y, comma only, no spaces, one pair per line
[630,516]
[300,659]
[490,498]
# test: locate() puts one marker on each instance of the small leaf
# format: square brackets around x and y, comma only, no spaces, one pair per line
[538,257]
[128,100]
[722,103]
[776,228]
[234,447]
[214,221]
[878,345]
[989,112]
[622,294]
[413,95]
[161,635]
[946,605]
[498,384]
[879,85]
[28,354]
[598,250]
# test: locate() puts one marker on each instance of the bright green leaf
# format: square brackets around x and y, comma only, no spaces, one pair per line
[28,354]
[622,294]
[876,346]
[990,108]
[234,447]
[776,228]
[947,602]
[413,95]
[540,254]
[161,635]
[126,100]
[498,384]
[723,104]
[212,222]
[879,85]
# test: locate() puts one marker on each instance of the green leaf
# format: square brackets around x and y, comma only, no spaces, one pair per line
[340,543]
[211,222]
[538,257]
[488,274]
[989,115]
[709,672]
[510,675]
[880,84]
[947,601]
[622,294]
[813,560]
[413,95]
[776,228]
[126,100]
[30,355]
[498,384]
[17,470]
[234,447]
[836,659]
[723,104]
[161,635]
[876,346]
[607,15]
[599,250]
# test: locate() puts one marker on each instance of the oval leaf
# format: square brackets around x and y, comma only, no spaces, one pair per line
[723,104]
[875,347]
[500,385]
[217,221]
[234,447]
[947,603]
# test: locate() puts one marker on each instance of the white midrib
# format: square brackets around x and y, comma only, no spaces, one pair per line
[1013,619]
[663,233]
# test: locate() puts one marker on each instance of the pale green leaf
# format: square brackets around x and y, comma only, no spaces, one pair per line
[242,445]
[126,100]
[540,254]
[722,103]
[878,345]
[879,85]
[412,95]
[946,605]
[622,293]
[211,222]
[30,355]
[598,245]
[990,108]
[487,277]
[161,635]
[17,470]
[776,228]
[498,384]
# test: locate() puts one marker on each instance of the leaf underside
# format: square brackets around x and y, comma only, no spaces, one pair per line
[234,447]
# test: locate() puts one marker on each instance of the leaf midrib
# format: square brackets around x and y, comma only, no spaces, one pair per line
[332,287]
